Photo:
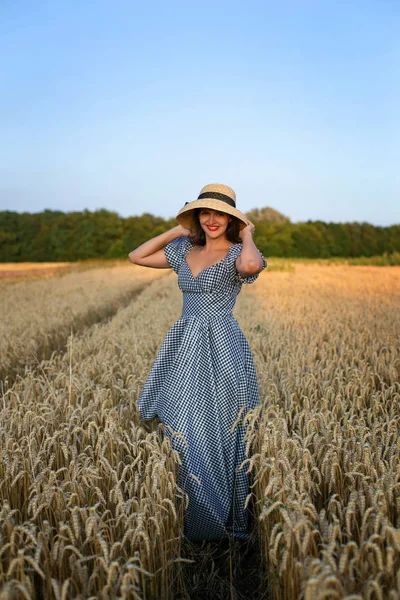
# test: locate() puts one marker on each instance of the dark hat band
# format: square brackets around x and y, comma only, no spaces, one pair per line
[218,196]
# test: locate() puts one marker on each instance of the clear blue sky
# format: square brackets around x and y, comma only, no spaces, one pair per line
[135,106]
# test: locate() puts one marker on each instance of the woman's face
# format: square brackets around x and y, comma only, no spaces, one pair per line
[213,223]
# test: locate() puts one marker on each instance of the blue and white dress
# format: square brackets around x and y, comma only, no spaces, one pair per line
[203,376]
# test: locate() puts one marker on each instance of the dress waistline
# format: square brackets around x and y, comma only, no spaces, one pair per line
[206,315]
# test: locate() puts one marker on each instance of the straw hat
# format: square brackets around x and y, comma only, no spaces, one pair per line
[216,196]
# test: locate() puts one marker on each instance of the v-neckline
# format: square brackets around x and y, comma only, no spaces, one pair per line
[209,267]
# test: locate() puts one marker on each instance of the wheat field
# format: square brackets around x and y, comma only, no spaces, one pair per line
[39,315]
[90,507]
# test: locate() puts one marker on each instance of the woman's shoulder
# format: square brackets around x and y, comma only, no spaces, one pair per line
[176,251]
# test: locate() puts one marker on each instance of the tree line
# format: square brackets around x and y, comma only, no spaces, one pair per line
[52,236]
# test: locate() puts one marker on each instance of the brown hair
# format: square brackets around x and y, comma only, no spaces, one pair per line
[198,236]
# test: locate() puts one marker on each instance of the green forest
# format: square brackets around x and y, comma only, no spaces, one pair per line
[52,236]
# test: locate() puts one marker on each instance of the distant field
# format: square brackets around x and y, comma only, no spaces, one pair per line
[30,270]
[15,271]
[10,272]
[28,266]
[89,502]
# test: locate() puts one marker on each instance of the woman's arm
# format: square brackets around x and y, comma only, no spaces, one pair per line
[151,253]
[249,262]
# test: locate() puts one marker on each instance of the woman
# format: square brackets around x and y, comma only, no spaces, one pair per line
[203,379]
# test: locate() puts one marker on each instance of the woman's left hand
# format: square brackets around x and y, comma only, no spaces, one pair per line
[250,228]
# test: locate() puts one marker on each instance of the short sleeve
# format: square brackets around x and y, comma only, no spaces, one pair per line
[235,253]
[175,252]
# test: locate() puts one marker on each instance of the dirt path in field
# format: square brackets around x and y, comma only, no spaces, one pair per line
[226,570]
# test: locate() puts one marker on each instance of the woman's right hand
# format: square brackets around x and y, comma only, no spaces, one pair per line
[181,230]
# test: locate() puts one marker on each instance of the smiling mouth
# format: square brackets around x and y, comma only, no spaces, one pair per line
[213,228]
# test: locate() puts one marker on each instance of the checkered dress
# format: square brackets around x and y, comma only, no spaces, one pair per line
[202,377]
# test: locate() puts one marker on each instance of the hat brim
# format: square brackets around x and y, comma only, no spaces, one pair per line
[185,216]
